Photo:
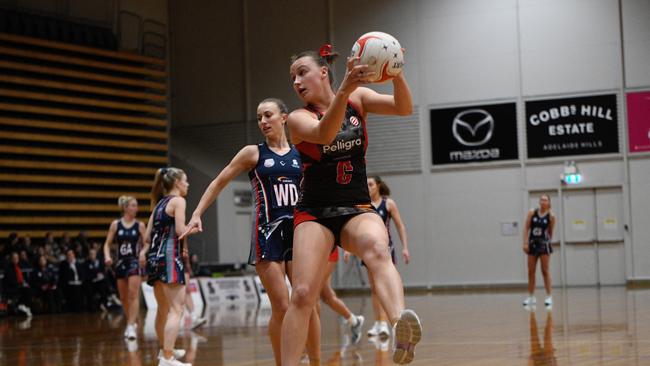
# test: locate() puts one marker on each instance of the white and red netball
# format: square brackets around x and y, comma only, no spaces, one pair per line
[382,53]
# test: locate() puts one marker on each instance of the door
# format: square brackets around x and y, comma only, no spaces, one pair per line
[611,251]
[593,233]
[580,237]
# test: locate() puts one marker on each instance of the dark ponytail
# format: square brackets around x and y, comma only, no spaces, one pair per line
[384,191]
[163,182]
[324,57]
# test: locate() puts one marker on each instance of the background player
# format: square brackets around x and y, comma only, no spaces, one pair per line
[274,171]
[129,234]
[163,251]
[537,244]
[387,210]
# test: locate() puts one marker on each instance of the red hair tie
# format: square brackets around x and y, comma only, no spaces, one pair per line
[325,50]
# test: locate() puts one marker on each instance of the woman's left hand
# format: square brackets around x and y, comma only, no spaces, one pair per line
[406,255]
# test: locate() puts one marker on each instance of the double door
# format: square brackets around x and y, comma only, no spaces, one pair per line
[593,233]
[589,222]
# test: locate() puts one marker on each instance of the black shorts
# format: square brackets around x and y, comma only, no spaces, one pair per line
[272,242]
[539,247]
[332,218]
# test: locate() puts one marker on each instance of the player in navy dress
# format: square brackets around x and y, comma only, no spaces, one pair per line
[128,232]
[274,170]
[538,232]
[163,254]
[387,210]
[334,205]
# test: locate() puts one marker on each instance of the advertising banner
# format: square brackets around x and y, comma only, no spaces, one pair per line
[228,290]
[474,133]
[638,121]
[572,126]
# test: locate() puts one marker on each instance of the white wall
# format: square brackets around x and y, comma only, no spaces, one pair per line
[463,52]
[458,52]
[569,45]
[636,35]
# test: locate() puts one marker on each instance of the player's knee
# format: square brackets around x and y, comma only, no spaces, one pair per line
[280,306]
[377,253]
[302,296]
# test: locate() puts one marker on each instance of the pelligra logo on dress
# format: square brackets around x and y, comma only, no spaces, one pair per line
[342,145]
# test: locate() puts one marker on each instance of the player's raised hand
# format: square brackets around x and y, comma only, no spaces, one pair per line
[194,226]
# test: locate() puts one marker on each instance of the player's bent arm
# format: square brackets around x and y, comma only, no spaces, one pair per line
[142,229]
[178,206]
[400,103]
[245,160]
[399,223]
[110,236]
[551,227]
[147,236]
[303,126]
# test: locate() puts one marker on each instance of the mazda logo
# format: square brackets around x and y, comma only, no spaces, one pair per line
[473,127]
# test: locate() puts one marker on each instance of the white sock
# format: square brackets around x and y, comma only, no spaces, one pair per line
[352,320]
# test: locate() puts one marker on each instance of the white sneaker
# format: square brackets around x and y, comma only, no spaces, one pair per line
[196,338]
[171,362]
[131,345]
[356,328]
[178,353]
[130,332]
[530,300]
[374,331]
[25,310]
[548,301]
[197,321]
[383,330]
[116,301]
[381,344]
[408,332]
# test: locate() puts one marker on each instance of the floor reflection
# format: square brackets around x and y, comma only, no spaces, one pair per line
[587,326]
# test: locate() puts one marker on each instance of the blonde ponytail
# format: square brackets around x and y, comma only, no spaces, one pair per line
[163,182]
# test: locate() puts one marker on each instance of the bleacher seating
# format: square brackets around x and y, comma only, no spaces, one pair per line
[79,126]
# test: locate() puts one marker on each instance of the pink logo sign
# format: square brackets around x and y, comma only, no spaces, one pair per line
[638,121]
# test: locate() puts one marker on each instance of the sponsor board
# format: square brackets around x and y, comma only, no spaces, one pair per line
[572,126]
[228,290]
[638,121]
[474,133]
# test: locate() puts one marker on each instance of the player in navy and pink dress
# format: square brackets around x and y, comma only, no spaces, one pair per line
[163,253]
[274,170]
[387,210]
[334,205]
[128,232]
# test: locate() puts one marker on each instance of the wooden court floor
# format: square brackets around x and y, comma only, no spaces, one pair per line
[587,326]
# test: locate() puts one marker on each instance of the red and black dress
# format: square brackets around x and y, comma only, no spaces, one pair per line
[334,185]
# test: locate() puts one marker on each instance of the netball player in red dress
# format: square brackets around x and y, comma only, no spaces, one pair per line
[334,205]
